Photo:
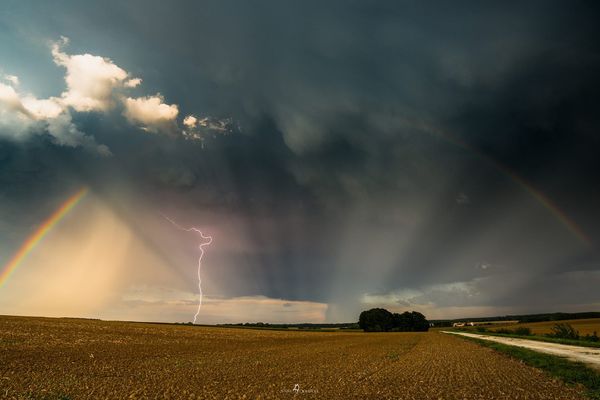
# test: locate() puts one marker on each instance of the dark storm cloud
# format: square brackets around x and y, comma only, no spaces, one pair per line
[339,173]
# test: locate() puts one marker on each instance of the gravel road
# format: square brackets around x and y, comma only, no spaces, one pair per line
[587,355]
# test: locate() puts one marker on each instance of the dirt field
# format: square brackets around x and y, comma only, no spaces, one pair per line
[584,326]
[73,359]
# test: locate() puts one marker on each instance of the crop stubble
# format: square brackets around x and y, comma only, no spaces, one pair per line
[48,358]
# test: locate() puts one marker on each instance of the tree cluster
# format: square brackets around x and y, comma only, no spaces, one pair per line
[381,320]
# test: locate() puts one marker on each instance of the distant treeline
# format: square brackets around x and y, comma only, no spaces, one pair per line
[522,318]
[343,325]
[438,323]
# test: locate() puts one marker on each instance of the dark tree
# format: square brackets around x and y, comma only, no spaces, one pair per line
[379,319]
[402,322]
[419,322]
[375,320]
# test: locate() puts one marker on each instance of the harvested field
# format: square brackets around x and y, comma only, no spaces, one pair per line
[65,358]
[584,326]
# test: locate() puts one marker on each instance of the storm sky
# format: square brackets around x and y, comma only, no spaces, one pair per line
[343,155]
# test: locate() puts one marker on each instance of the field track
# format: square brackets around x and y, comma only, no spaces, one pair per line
[43,358]
[586,355]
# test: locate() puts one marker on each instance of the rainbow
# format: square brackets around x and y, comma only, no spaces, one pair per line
[45,227]
[540,197]
[550,206]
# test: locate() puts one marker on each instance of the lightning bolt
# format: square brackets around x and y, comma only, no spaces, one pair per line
[201,247]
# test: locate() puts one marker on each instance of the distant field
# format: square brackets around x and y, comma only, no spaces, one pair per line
[44,358]
[584,326]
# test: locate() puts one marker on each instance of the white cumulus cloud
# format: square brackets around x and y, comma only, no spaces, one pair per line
[24,115]
[91,80]
[198,128]
[93,84]
[190,121]
[43,108]
[13,79]
[134,82]
[10,100]
[21,116]
[152,113]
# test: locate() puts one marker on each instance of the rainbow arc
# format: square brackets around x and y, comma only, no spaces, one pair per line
[42,230]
